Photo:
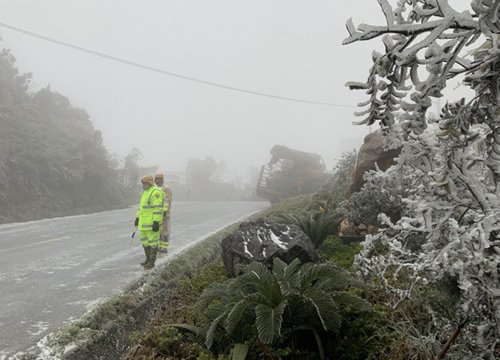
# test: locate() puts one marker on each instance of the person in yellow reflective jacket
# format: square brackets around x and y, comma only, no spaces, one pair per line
[149,219]
[167,205]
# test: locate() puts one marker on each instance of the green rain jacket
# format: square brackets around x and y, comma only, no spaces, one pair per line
[150,208]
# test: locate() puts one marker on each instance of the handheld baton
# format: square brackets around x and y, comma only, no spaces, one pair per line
[132,237]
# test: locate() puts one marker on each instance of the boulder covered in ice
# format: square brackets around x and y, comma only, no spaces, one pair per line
[262,241]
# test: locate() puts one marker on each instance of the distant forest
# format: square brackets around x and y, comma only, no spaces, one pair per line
[52,160]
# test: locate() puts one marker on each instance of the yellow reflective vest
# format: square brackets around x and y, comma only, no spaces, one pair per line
[150,208]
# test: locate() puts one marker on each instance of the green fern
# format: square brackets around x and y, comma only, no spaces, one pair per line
[271,304]
[287,276]
[317,225]
[268,321]
[239,352]
[236,313]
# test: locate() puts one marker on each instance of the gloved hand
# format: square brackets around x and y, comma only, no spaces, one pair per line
[136,222]
[156,226]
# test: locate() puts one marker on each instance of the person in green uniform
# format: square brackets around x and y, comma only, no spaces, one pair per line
[149,219]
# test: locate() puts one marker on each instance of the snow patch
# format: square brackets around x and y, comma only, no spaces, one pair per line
[102,264]
[70,347]
[87,286]
[46,351]
[277,241]
[245,245]
[58,286]
[90,305]
[258,236]
[40,327]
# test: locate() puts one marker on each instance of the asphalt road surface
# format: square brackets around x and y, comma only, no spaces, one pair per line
[54,270]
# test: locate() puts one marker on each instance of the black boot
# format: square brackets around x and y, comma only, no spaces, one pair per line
[152,258]
[147,251]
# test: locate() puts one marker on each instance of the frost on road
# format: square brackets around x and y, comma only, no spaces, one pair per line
[54,270]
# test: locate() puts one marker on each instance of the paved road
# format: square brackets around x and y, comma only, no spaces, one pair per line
[54,270]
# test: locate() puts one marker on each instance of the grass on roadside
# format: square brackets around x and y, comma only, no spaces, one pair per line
[166,342]
[333,249]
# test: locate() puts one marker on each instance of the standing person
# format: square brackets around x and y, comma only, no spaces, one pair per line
[167,204]
[149,219]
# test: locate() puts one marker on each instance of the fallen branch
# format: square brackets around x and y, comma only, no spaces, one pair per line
[450,341]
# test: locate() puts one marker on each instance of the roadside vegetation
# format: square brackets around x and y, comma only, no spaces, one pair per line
[52,160]
[313,311]
[288,312]
[295,311]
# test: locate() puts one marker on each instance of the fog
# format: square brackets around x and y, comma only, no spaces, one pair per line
[286,48]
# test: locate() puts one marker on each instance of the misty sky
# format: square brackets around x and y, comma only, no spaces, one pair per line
[284,47]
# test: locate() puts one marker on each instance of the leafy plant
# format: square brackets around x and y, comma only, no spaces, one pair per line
[269,306]
[317,225]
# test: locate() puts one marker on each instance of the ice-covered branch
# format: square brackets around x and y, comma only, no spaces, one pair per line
[367,32]
[451,164]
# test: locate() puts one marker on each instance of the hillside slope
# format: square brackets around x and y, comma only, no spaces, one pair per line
[52,160]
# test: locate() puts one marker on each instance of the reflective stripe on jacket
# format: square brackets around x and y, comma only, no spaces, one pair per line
[150,208]
[167,198]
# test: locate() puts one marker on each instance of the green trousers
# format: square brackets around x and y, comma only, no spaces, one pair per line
[150,238]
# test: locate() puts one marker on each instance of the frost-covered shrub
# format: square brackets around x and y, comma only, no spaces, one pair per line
[379,194]
[452,207]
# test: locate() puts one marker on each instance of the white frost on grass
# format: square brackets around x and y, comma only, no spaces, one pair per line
[47,352]
[71,319]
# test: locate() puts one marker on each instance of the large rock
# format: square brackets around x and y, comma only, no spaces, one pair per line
[371,152]
[262,241]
